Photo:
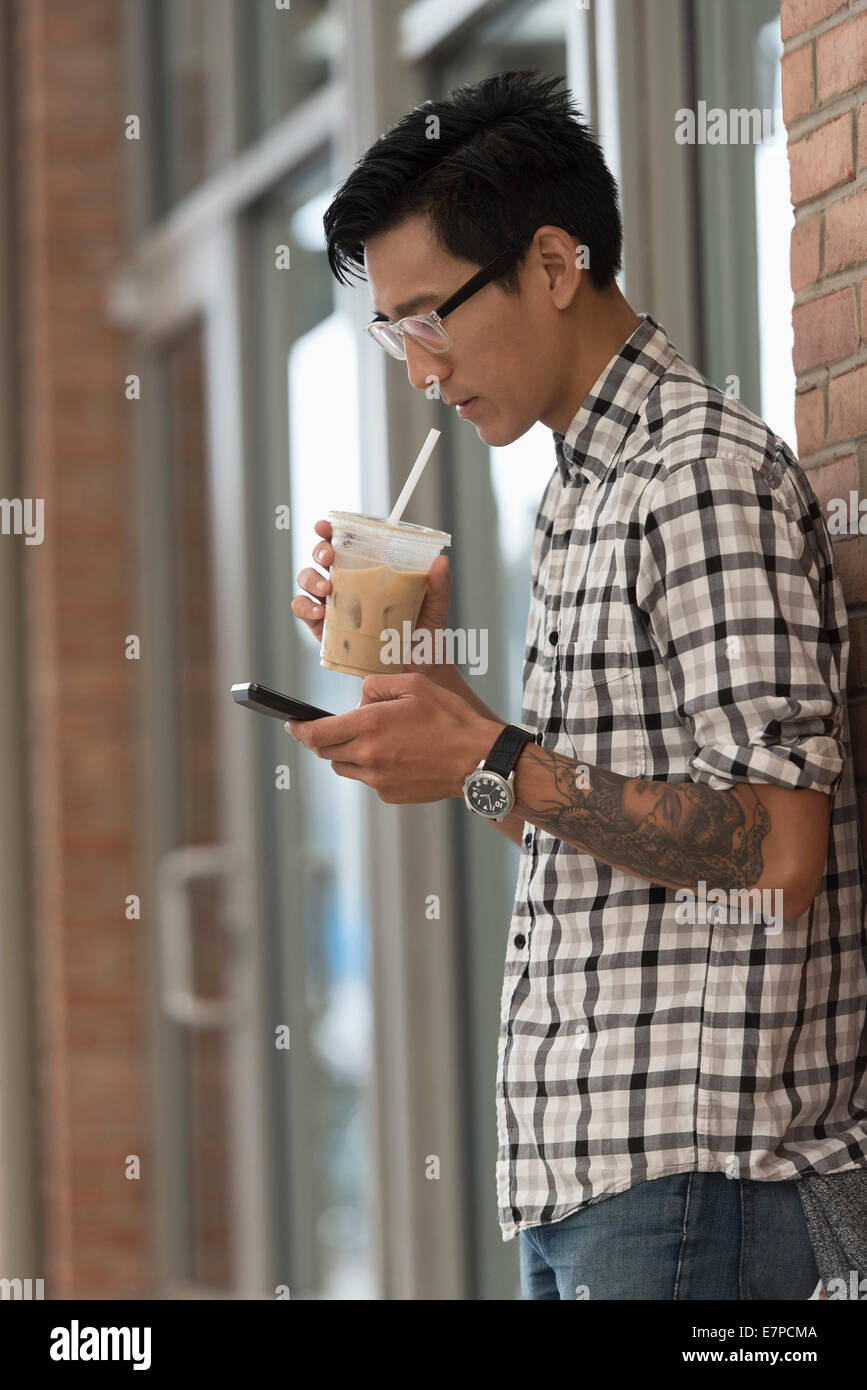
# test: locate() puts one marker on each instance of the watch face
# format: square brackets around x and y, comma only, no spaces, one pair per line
[488,794]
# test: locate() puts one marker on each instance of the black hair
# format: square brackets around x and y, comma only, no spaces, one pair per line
[502,158]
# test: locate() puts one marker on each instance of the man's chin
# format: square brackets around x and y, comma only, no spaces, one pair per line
[497,436]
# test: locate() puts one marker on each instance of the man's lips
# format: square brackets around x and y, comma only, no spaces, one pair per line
[463,404]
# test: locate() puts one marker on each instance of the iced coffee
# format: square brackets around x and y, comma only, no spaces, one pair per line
[378,582]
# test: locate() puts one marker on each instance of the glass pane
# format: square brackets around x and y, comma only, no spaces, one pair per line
[523,35]
[205,53]
[286,54]
[305,419]
[199,1105]
[745,217]
[185,82]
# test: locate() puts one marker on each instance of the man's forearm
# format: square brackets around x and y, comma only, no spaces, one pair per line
[676,834]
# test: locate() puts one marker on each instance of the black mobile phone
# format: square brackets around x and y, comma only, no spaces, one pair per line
[267,701]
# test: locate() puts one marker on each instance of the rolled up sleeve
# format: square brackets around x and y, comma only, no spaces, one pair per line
[737,588]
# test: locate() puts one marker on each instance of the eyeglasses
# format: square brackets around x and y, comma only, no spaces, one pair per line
[427,329]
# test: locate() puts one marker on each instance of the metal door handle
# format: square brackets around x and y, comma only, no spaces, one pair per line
[177,870]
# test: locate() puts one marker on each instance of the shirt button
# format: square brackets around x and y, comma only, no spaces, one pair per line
[552,638]
[520,941]
[528,839]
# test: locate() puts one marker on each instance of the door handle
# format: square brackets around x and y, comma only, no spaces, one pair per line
[177,870]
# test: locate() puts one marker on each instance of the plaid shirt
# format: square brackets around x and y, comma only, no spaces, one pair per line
[685,623]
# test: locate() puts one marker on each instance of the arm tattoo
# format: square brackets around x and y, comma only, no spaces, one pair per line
[669,832]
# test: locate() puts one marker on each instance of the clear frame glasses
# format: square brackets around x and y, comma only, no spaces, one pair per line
[427,329]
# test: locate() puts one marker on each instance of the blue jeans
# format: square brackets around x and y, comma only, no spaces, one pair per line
[688,1236]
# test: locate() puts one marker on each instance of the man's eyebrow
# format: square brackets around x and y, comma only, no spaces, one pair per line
[410,306]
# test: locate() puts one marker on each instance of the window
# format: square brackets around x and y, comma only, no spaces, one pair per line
[222,72]
[745,217]
[191,138]
[286,55]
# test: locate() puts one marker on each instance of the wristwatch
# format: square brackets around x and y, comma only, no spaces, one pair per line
[488,789]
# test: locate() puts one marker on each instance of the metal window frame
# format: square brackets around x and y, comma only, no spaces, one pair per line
[427,25]
[197,291]
[643,66]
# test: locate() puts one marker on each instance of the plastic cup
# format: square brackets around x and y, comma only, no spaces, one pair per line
[378,581]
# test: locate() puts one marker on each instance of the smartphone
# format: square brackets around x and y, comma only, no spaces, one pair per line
[266,701]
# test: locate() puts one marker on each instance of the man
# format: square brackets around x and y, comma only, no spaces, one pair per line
[683,1006]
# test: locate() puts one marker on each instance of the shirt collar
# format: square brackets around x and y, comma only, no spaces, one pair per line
[602,422]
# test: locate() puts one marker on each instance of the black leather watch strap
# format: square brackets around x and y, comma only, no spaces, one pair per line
[507,750]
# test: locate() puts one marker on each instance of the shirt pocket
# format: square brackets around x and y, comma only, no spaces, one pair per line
[602,715]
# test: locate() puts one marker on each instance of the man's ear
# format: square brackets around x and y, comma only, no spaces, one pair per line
[563,261]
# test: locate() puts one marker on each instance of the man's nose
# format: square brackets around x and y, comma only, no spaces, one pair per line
[421,365]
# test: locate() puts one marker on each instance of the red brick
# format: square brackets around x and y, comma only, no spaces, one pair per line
[864,311]
[857,673]
[846,231]
[847,405]
[825,329]
[69,101]
[822,159]
[862,136]
[835,479]
[810,421]
[797,82]
[841,58]
[804,253]
[850,561]
[797,16]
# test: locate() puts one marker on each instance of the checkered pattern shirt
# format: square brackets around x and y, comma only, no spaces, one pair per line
[685,623]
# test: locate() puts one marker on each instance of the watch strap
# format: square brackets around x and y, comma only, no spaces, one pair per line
[507,749]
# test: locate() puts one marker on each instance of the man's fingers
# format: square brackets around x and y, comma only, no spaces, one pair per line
[331,732]
[313,582]
[307,608]
[345,751]
[355,771]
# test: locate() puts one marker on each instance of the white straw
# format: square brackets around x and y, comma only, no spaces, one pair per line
[415,473]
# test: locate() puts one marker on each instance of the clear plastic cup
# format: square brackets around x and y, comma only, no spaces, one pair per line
[378,581]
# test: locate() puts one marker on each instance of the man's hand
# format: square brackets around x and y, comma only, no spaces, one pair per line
[408,738]
[310,606]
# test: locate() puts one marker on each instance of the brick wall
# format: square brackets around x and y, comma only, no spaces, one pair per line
[83,783]
[824,89]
